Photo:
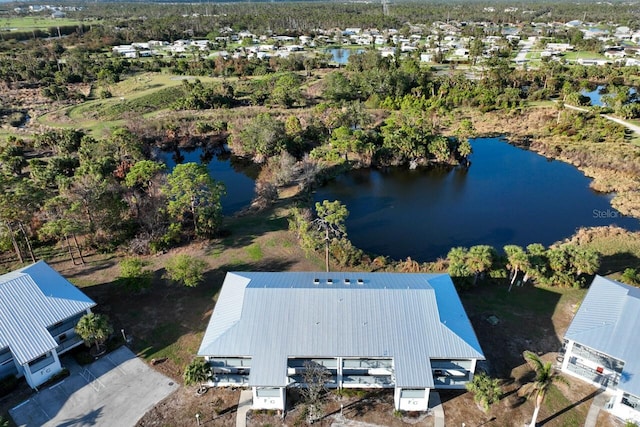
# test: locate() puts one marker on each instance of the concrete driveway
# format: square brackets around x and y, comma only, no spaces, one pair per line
[116,390]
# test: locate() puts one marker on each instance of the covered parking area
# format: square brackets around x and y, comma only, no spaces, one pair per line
[117,389]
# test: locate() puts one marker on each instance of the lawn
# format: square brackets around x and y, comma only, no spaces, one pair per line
[582,54]
[29,23]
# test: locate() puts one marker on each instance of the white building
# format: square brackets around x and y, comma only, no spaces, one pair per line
[407,332]
[39,310]
[602,342]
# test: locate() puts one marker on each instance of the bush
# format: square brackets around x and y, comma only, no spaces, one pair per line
[133,275]
[197,371]
[186,270]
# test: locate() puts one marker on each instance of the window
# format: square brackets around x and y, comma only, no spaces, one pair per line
[412,394]
[268,392]
[62,338]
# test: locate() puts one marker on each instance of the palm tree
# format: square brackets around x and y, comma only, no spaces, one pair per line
[545,376]
[486,390]
[479,259]
[585,261]
[518,261]
[197,371]
[94,329]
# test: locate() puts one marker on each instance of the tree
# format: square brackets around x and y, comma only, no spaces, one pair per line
[191,191]
[262,137]
[457,258]
[187,270]
[545,376]
[486,390]
[518,261]
[61,222]
[197,371]
[315,377]
[584,261]
[331,218]
[94,329]
[479,259]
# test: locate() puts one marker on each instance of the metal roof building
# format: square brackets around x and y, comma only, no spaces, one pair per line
[38,307]
[602,343]
[414,325]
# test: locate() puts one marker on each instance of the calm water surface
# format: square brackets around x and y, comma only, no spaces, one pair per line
[507,196]
[341,56]
[237,174]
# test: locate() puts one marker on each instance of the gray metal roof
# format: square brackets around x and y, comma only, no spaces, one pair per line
[273,316]
[32,299]
[608,321]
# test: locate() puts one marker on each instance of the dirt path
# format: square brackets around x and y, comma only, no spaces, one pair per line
[626,124]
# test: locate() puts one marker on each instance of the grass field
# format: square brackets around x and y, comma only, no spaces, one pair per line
[29,23]
[146,94]
[581,54]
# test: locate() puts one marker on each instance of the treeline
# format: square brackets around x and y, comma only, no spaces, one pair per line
[67,187]
[565,266]
[170,21]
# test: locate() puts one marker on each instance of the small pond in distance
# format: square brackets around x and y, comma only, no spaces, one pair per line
[238,174]
[508,196]
[340,55]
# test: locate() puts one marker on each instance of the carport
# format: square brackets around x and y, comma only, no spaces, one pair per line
[117,389]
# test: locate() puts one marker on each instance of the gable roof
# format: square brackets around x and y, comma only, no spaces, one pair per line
[273,316]
[608,321]
[31,299]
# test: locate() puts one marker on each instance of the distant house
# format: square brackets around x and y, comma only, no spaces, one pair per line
[407,332]
[602,342]
[39,310]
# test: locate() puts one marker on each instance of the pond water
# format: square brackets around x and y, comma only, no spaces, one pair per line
[341,56]
[507,196]
[238,174]
[596,95]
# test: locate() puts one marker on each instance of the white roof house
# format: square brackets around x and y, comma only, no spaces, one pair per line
[265,326]
[38,312]
[602,344]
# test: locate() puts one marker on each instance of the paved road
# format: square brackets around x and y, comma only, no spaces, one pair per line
[116,390]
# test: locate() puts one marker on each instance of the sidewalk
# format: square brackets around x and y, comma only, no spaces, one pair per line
[244,405]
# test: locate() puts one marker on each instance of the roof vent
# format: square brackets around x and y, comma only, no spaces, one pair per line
[316,281]
[329,281]
[347,281]
[360,282]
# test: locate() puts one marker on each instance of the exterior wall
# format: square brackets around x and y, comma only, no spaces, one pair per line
[7,364]
[229,371]
[629,410]
[452,373]
[39,373]
[597,369]
[411,399]
[269,398]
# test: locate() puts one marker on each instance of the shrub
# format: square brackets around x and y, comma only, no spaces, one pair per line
[186,270]
[133,275]
[197,371]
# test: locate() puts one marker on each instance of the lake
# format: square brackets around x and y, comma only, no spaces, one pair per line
[508,196]
[238,174]
[341,56]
